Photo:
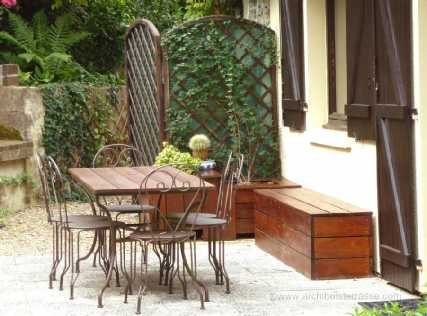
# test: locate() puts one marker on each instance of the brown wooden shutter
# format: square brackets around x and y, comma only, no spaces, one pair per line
[292,46]
[396,183]
[360,69]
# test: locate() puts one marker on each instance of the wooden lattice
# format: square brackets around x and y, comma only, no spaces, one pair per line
[143,61]
[211,117]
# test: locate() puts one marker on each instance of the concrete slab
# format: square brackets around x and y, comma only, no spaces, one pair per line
[261,285]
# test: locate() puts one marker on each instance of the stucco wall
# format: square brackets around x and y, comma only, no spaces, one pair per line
[324,160]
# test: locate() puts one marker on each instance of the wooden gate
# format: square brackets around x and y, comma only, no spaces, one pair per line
[380,107]
[143,62]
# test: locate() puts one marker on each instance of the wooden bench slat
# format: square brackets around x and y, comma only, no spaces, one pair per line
[350,208]
[288,200]
[306,196]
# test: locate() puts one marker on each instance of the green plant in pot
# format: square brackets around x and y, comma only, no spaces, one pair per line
[180,160]
[199,144]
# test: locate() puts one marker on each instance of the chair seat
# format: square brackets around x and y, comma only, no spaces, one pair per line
[130,208]
[198,219]
[179,215]
[93,225]
[82,218]
[206,222]
[161,236]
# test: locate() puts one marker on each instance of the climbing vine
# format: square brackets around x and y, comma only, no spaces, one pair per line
[212,91]
[78,122]
[16,180]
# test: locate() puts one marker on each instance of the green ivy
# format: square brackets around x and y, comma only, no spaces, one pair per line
[16,180]
[393,309]
[206,61]
[78,122]
[5,212]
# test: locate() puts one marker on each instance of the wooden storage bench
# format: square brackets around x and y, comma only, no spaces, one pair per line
[317,235]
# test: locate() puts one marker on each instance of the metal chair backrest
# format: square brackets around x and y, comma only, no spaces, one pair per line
[53,189]
[168,180]
[117,155]
[230,176]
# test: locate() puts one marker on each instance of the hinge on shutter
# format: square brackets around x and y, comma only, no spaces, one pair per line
[414,114]
[419,265]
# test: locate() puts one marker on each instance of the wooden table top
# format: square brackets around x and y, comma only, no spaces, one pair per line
[127,180]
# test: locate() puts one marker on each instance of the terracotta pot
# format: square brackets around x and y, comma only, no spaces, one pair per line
[201,154]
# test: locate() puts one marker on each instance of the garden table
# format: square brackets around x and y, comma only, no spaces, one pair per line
[120,181]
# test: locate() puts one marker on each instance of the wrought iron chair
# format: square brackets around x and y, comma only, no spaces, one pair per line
[216,223]
[55,212]
[121,155]
[167,239]
[56,196]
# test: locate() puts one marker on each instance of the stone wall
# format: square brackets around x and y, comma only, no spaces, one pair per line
[22,108]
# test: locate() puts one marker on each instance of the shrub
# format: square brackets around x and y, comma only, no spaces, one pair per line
[182,161]
[42,49]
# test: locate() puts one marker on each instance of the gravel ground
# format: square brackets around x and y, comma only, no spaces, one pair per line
[27,232]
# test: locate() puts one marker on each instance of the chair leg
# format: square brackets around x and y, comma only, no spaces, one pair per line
[182,279]
[172,270]
[200,288]
[157,252]
[212,255]
[56,253]
[67,244]
[143,286]
[112,261]
[222,260]
[92,248]
[123,266]
[74,271]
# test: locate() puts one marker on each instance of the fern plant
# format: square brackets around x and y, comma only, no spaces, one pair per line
[42,49]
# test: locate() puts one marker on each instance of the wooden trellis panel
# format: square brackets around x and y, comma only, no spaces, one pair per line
[143,62]
[261,93]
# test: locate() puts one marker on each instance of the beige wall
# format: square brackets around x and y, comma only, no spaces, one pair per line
[324,160]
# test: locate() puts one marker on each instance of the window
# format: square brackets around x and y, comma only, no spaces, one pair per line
[337,63]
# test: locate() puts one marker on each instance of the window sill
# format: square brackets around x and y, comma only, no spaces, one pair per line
[331,139]
[336,122]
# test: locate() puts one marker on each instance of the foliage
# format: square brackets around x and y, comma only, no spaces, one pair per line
[42,49]
[199,8]
[181,160]
[393,309]
[5,212]
[9,133]
[163,13]
[107,22]
[16,180]
[220,97]
[60,3]
[199,142]
[77,122]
